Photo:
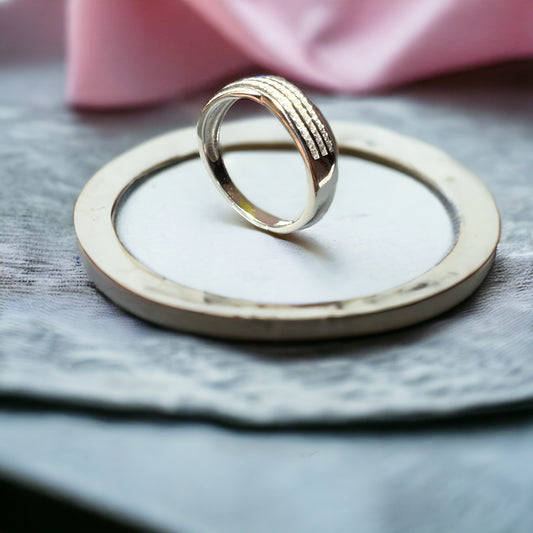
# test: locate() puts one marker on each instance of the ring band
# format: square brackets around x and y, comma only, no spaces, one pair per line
[307,127]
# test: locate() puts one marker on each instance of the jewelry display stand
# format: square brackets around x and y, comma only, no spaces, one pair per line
[410,234]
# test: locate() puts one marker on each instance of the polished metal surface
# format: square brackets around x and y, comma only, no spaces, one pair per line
[307,127]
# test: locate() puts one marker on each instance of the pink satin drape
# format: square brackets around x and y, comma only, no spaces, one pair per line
[129,52]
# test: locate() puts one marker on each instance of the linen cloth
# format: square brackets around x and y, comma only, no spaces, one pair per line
[129,52]
[62,342]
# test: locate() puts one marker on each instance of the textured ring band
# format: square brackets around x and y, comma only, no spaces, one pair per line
[307,127]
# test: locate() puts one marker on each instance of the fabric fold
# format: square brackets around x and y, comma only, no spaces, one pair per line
[129,52]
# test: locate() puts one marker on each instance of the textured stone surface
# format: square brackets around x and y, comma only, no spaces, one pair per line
[62,341]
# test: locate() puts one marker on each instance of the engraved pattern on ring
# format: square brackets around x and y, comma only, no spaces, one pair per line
[289,108]
[299,109]
[310,108]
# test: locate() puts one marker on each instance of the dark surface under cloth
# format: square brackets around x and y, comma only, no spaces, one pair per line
[125,447]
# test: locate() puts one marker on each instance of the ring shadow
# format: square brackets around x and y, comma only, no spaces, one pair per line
[309,245]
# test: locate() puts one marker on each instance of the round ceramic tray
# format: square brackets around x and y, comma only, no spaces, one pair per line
[154,296]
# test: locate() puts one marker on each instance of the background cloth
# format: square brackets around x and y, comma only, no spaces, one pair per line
[63,342]
[129,52]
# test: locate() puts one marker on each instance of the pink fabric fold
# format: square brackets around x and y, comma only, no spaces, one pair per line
[129,52]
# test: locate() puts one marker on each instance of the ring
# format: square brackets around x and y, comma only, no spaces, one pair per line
[307,127]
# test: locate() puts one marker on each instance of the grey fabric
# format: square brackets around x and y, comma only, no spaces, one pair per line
[198,478]
[63,341]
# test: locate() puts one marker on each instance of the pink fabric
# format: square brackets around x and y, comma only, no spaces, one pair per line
[129,52]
